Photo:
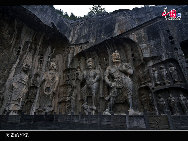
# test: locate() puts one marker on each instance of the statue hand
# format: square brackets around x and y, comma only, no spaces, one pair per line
[113,84]
[91,82]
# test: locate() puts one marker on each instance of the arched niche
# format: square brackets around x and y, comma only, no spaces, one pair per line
[101,54]
[145,97]
[174,92]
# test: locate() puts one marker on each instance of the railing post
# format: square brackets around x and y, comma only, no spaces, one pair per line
[99,120]
[71,120]
[89,116]
[54,117]
[146,120]
[112,119]
[0,122]
[45,116]
[127,120]
[7,117]
[170,119]
[34,117]
[22,117]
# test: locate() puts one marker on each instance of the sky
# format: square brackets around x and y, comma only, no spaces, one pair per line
[81,10]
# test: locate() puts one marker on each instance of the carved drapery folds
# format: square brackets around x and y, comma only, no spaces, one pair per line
[91,76]
[50,82]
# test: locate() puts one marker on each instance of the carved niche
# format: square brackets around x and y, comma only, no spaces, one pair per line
[49,85]
[146,100]
[19,88]
[33,89]
[174,100]
[166,73]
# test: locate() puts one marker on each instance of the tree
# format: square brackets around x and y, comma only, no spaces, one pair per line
[65,15]
[96,9]
[72,17]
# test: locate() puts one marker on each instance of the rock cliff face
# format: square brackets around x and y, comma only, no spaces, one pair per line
[125,61]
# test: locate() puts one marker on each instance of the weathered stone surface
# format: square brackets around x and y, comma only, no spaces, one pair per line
[72,68]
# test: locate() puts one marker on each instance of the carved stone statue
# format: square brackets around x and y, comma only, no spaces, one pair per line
[92,77]
[77,90]
[19,90]
[70,56]
[164,75]
[32,92]
[174,73]
[155,74]
[88,109]
[71,100]
[162,105]
[173,105]
[106,112]
[144,102]
[117,77]
[51,80]
[184,103]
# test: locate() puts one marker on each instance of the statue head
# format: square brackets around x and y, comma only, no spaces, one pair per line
[170,96]
[25,68]
[181,95]
[116,57]
[159,96]
[52,65]
[78,68]
[162,67]
[154,69]
[171,65]
[90,63]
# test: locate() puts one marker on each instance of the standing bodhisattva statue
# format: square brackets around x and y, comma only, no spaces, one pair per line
[51,80]
[117,77]
[92,77]
[19,90]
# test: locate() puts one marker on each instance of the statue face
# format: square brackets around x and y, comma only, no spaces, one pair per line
[26,68]
[90,63]
[171,65]
[53,65]
[162,67]
[153,69]
[116,57]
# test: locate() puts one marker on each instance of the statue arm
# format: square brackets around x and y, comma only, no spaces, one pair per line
[127,69]
[80,75]
[97,76]
[57,82]
[44,77]
[106,74]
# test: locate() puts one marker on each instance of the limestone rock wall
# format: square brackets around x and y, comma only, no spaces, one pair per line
[25,58]
[126,61]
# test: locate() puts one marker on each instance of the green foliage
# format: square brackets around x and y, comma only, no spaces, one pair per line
[65,15]
[96,9]
[73,17]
